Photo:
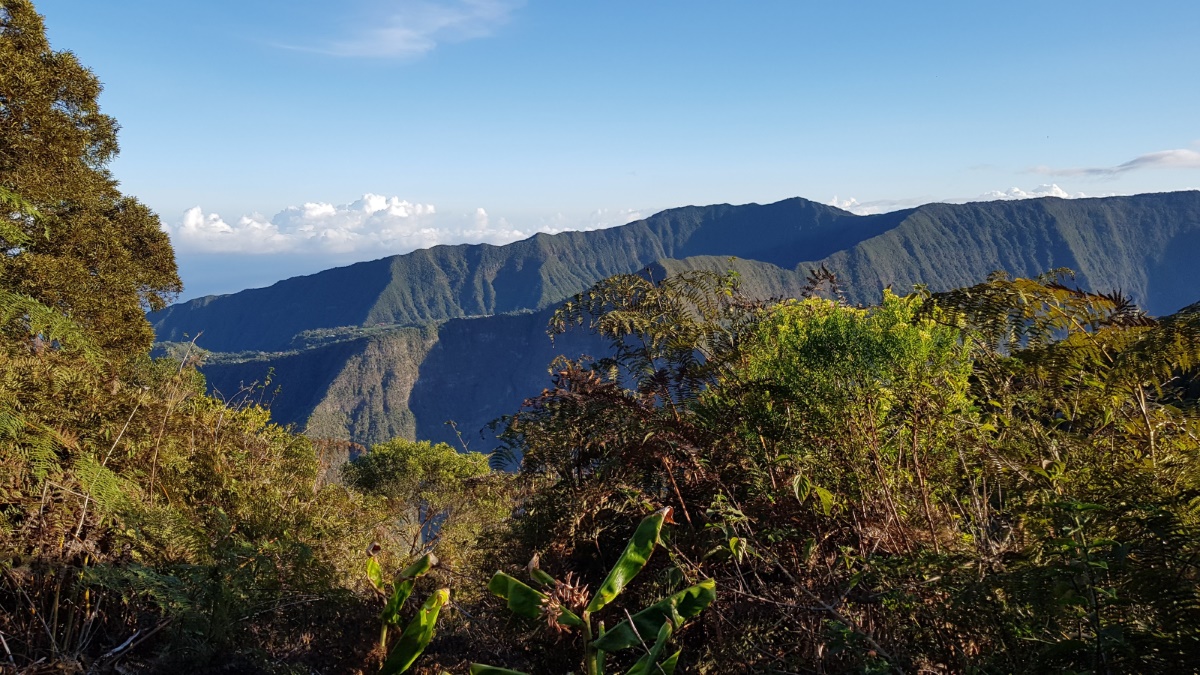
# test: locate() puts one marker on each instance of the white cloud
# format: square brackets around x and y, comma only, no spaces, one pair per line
[371,222]
[1165,159]
[411,28]
[373,226]
[876,206]
[1044,190]
[885,205]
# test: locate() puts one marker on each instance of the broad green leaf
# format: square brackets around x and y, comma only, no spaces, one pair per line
[801,486]
[391,611]
[522,599]
[526,601]
[679,607]
[416,635]
[406,580]
[668,666]
[825,497]
[421,566]
[541,578]
[632,559]
[648,664]
[481,669]
[375,575]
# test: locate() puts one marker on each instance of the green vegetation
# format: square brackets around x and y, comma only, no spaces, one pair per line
[564,605]
[419,632]
[1000,477]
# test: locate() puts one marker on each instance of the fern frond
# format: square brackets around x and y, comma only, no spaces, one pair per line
[109,491]
[39,322]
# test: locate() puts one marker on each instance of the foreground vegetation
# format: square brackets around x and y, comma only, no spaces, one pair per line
[1000,478]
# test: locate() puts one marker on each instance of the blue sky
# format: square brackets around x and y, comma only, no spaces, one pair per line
[279,137]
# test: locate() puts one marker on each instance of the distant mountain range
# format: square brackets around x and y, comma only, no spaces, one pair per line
[400,345]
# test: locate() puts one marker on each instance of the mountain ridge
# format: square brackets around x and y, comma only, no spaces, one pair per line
[471,369]
[445,282]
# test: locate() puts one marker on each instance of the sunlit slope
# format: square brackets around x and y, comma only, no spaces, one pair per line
[353,390]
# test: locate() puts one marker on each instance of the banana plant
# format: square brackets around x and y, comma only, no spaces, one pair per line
[566,606]
[419,631]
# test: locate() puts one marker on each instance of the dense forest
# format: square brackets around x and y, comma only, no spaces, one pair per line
[1001,477]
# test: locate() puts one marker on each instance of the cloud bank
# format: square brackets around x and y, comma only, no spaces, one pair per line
[373,226]
[885,205]
[413,28]
[1165,159]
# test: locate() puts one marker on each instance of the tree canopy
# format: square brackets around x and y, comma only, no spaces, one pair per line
[96,255]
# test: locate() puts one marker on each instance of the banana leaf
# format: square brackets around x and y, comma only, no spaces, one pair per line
[632,560]
[416,635]
[679,608]
[421,566]
[668,667]
[541,578]
[391,611]
[404,587]
[648,664]
[375,575]
[525,601]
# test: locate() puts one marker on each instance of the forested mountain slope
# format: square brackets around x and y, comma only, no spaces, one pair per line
[1145,245]
[446,282]
[472,369]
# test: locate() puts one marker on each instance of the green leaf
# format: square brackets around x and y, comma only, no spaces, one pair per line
[825,497]
[801,486]
[539,577]
[525,601]
[416,635]
[679,607]
[418,568]
[632,560]
[391,611]
[522,600]
[375,575]
[481,669]
[405,581]
[648,664]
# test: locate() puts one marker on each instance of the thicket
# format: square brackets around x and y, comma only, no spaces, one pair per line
[999,478]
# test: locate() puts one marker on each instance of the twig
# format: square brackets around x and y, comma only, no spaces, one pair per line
[8,651]
[636,634]
[127,646]
[88,498]
[121,647]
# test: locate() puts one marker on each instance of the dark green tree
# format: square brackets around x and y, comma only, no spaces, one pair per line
[96,255]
